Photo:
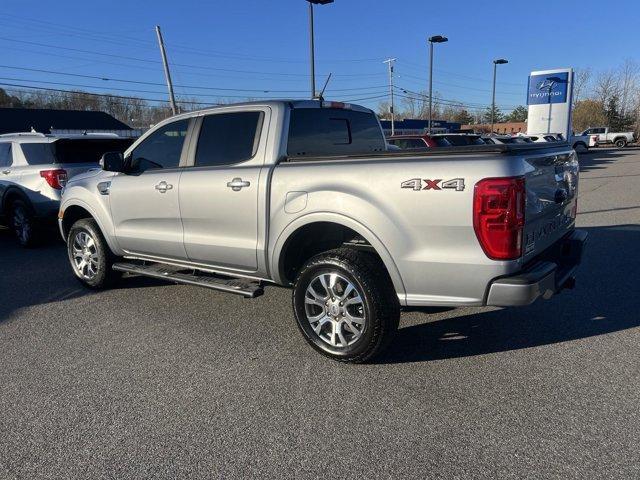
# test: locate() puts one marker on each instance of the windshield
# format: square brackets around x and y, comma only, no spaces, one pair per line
[72,151]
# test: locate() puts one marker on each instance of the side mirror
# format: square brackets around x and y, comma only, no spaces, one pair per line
[112,162]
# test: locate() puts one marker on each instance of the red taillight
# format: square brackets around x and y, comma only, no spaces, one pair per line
[498,216]
[55,178]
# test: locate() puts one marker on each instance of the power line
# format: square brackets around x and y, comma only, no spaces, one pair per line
[423,68]
[196,87]
[150,45]
[182,65]
[451,103]
[160,100]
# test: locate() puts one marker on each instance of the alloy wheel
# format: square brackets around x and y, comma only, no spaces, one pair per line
[85,255]
[21,224]
[335,309]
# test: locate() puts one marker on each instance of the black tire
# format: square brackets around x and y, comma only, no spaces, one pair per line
[620,142]
[98,273]
[581,145]
[23,224]
[379,305]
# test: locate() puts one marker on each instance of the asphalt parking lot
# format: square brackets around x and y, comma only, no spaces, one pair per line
[154,380]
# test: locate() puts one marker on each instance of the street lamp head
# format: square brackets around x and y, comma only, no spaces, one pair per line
[320,2]
[500,61]
[438,39]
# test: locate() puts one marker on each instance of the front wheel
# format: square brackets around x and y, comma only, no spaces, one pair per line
[90,256]
[345,305]
[621,143]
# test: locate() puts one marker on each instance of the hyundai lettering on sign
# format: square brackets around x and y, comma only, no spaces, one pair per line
[549,88]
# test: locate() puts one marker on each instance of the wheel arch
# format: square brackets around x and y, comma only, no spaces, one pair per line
[76,210]
[14,193]
[291,233]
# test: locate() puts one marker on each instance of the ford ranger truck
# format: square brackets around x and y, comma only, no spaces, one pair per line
[304,194]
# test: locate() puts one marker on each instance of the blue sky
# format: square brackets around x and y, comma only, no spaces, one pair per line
[261,45]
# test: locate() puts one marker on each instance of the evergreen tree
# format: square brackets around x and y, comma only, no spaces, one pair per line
[518,114]
[498,117]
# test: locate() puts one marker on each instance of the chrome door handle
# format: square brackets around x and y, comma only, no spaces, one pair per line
[163,186]
[6,172]
[238,184]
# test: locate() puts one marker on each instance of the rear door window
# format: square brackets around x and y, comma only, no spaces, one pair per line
[228,138]
[6,157]
[333,131]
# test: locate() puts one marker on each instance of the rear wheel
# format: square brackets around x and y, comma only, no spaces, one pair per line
[23,223]
[620,142]
[345,305]
[581,147]
[90,256]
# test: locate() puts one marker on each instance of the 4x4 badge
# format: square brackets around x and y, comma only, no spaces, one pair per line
[416,184]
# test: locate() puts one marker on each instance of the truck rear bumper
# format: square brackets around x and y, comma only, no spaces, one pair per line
[550,274]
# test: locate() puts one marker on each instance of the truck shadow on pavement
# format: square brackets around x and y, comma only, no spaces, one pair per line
[605,300]
[41,275]
[598,158]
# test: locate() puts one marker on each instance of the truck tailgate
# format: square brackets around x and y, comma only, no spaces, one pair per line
[551,185]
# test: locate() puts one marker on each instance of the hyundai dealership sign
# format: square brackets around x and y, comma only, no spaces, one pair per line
[549,99]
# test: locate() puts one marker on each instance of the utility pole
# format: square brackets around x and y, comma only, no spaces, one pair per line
[389,62]
[167,74]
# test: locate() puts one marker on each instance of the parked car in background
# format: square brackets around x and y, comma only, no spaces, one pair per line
[305,194]
[418,141]
[579,143]
[460,139]
[546,137]
[505,140]
[34,168]
[605,136]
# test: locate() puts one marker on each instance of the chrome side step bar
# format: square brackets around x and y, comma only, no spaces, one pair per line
[171,273]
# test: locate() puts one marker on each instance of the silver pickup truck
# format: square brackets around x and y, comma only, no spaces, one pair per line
[305,194]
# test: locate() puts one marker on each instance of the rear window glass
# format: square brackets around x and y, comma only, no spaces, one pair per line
[333,131]
[407,143]
[6,159]
[441,142]
[72,151]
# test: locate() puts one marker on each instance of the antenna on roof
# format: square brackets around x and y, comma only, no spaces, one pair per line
[33,130]
[321,95]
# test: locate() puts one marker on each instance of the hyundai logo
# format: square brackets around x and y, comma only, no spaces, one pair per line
[546,84]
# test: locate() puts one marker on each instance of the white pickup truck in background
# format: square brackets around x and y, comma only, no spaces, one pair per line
[604,136]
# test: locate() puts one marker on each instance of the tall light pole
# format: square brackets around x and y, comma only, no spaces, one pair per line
[389,61]
[312,44]
[432,40]
[499,61]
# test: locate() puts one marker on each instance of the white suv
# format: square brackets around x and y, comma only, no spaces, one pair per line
[34,168]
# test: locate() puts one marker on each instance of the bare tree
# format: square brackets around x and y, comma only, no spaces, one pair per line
[607,85]
[581,84]
[628,81]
